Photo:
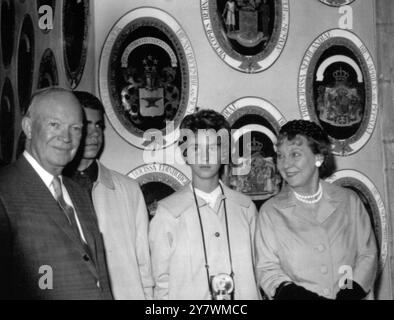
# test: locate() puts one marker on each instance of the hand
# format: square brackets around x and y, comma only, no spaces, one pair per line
[355,293]
[291,291]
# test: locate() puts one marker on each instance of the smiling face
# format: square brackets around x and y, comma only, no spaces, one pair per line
[94,124]
[297,165]
[53,130]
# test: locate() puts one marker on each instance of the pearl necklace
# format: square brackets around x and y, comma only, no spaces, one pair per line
[314,198]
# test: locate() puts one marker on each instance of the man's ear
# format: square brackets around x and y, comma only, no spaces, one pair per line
[27,124]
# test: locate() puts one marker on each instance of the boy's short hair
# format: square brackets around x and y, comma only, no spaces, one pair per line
[205,119]
[88,100]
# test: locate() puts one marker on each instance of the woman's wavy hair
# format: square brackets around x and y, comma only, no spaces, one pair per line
[318,141]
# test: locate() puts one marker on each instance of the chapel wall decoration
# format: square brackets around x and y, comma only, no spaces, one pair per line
[255,124]
[247,35]
[76,15]
[337,88]
[157,181]
[148,76]
[373,203]
[336,3]
[33,57]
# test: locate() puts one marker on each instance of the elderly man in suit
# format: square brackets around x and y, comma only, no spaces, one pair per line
[51,247]
[120,208]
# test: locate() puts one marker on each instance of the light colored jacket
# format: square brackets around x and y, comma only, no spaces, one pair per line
[315,252]
[177,252]
[123,221]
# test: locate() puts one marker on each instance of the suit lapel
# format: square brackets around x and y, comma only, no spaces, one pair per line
[40,199]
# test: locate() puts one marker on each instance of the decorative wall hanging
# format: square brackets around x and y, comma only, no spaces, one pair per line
[25,63]
[148,76]
[373,203]
[337,87]
[48,74]
[336,3]
[158,181]
[249,35]
[7,27]
[76,21]
[7,119]
[263,121]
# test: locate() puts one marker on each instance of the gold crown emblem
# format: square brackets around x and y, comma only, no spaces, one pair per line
[340,75]
[256,146]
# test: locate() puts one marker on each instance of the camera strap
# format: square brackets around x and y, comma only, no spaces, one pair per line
[203,238]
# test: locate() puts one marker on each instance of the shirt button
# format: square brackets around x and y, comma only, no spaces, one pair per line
[320,248]
[98,284]
[217,234]
[326,292]
[86,258]
[324,269]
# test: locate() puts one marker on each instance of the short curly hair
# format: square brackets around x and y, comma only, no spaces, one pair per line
[205,119]
[318,141]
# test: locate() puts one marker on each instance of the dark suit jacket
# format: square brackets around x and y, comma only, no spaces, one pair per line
[34,232]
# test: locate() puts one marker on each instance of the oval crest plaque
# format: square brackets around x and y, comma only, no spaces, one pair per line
[258,121]
[249,35]
[48,75]
[25,63]
[7,27]
[75,37]
[337,87]
[7,119]
[373,203]
[336,3]
[148,77]
[157,181]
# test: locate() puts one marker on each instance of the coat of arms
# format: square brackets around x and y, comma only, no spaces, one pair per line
[340,104]
[249,35]
[263,179]
[148,77]
[150,91]
[247,21]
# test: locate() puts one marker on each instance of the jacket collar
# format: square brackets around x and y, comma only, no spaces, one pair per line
[104,176]
[286,201]
[229,194]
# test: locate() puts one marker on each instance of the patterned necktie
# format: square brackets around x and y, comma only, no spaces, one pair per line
[69,212]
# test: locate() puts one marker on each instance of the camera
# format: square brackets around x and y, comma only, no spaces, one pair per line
[222,287]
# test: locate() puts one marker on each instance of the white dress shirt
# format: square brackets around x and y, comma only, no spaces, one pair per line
[47,178]
[209,198]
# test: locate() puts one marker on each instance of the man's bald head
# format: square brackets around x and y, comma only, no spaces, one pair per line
[53,128]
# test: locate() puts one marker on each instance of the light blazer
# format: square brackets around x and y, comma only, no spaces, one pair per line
[123,220]
[177,252]
[315,252]
[35,234]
